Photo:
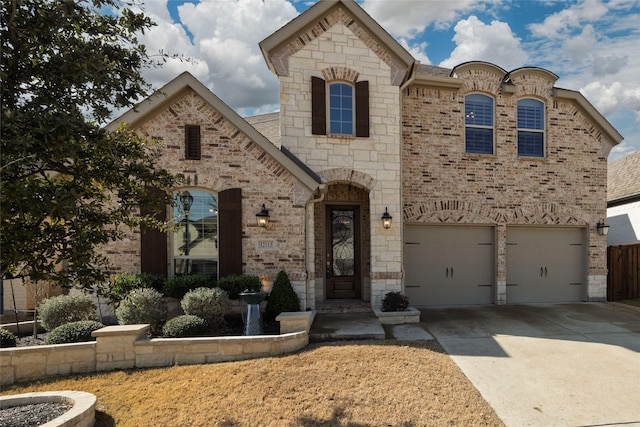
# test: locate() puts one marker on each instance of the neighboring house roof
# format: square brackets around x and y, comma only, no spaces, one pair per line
[623,180]
[303,22]
[185,82]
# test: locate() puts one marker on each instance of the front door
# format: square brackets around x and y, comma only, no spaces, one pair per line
[343,273]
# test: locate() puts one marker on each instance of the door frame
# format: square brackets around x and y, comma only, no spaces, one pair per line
[358,276]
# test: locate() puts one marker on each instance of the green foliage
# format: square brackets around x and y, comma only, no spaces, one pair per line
[186,325]
[283,298]
[57,311]
[177,287]
[64,67]
[395,301]
[124,283]
[73,332]
[209,304]
[7,338]
[235,284]
[143,306]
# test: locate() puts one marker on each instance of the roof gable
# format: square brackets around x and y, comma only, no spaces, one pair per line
[278,47]
[185,82]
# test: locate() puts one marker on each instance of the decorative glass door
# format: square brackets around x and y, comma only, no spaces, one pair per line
[343,252]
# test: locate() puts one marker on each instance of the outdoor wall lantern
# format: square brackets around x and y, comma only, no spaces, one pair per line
[262,217]
[186,199]
[386,219]
[603,229]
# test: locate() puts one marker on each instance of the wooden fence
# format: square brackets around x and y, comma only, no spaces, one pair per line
[623,280]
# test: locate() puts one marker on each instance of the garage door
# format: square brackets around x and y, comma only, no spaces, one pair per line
[446,265]
[545,265]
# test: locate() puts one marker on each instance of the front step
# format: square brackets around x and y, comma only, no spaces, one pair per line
[346,326]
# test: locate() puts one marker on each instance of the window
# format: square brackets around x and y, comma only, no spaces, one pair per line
[192,142]
[340,109]
[348,108]
[530,128]
[195,238]
[478,120]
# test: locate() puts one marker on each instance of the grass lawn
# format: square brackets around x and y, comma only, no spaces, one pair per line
[363,383]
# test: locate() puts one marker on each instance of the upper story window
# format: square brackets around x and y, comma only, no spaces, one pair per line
[348,108]
[478,120]
[192,142]
[341,109]
[195,236]
[530,128]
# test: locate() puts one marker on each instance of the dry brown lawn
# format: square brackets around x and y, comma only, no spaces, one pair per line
[366,383]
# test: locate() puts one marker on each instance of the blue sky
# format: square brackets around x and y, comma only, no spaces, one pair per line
[593,45]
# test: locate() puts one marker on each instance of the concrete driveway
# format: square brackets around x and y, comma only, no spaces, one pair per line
[548,365]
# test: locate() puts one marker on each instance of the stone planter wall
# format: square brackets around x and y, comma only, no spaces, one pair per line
[127,347]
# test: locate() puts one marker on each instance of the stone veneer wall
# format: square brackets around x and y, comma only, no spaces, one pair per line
[338,47]
[443,184]
[230,160]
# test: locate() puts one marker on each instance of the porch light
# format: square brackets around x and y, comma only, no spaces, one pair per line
[186,199]
[603,229]
[386,219]
[262,217]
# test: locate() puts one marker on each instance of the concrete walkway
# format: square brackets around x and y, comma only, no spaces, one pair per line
[548,365]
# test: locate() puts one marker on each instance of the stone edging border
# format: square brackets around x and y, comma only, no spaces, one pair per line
[81,414]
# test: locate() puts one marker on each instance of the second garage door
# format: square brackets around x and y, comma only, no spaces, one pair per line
[545,265]
[448,265]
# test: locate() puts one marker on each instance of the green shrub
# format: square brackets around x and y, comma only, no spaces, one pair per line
[235,284]
[186,325]
[73,332]
[143,306]
[124,283]
[209,304]
[178,286]
[57,311]
[395,301]
[7,338]
[282,297]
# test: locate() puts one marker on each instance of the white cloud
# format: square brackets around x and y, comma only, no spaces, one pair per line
[477,41]
[569,19]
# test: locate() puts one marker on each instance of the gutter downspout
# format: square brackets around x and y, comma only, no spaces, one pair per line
[310,244]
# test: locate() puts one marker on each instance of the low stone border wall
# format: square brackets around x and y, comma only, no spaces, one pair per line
[127,347]
[81,414]
[410,315]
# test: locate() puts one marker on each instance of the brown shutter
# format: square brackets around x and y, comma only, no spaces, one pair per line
[192,142]
[230,231]
[362,109]
[318,106]
[153,243]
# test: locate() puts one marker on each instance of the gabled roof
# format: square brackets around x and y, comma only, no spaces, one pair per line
[322,8]
[186,82]
[623,180]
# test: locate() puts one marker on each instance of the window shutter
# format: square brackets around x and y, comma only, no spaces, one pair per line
[362,109]
[318,106]
[153,243]
[230,231]
[192,142]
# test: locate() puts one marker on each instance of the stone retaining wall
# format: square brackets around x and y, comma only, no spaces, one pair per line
[127,347]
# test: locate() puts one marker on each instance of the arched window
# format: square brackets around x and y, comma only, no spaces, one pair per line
[195,236]
[530,128]
[478,120]
[348,106]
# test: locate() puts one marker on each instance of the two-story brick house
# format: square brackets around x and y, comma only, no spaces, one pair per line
[494,180]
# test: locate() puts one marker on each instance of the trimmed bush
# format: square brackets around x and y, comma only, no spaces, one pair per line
[235,284]
[178,286]
[208,304]
[57,311]
[143,306]
[124,283]
[395,301]
[7,338]
[186,325]
[74,332]
[282,298]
